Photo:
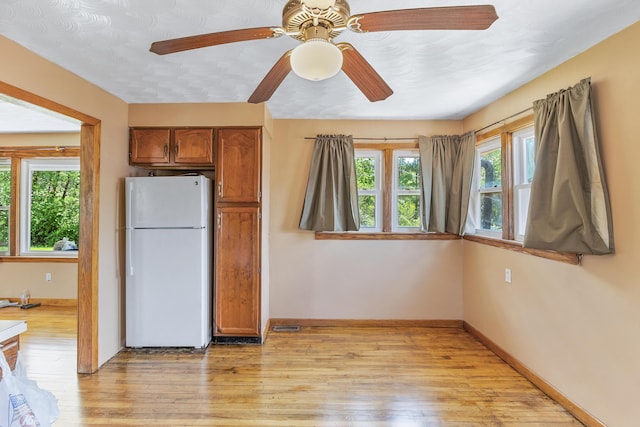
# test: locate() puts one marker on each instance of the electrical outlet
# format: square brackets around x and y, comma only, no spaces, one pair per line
[47,277]
[507,275]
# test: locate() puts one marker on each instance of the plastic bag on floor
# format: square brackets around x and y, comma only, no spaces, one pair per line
[22,402]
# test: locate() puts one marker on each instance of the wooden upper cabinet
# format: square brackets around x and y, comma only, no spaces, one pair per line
[238,165]
[193,146]
[179,148]
[149,146]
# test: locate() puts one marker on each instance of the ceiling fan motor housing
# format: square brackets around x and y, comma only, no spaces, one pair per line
[297,20]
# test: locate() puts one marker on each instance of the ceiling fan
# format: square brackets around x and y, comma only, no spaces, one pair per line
[316,23]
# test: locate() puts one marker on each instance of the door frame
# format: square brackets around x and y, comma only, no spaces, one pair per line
[90,133]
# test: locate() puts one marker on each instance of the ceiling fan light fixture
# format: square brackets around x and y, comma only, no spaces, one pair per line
[319,4]
[316,59]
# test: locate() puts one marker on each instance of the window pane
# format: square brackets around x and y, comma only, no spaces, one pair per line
[409,211]
[491,211]
[367,211]
[408,173]
[491,169]
[4,230]
[5,183]
[522,195]
[5,202]
[54,209]
[529,150]
[366,173]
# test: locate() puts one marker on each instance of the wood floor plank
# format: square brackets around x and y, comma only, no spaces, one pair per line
[320,376]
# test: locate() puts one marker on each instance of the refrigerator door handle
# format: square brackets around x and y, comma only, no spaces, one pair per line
[130,251]
[129,205]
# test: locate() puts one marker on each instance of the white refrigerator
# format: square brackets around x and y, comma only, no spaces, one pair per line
[168,261]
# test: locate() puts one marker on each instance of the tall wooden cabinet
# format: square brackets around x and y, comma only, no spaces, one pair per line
[237,234]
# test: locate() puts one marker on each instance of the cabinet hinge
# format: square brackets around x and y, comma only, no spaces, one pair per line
[259,214]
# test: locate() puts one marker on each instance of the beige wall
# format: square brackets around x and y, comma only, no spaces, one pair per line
[25,70]
[578,327]
[39,139]
[198,114]
[352,279]
[17,276]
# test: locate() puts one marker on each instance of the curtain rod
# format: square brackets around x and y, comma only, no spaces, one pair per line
[506,118]
[384,138]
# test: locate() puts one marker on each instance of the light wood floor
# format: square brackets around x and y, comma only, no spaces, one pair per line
[316,377]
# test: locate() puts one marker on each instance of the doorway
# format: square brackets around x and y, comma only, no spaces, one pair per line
[87,341]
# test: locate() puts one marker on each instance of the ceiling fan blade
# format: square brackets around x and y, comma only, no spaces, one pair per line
[363,75]
[272,80]
[430,18]
[212,39]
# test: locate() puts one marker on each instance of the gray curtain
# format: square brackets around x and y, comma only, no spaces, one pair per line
[569,206]
[447,170]
[331,201]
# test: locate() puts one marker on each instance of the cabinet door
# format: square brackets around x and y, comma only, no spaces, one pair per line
[193,146]
[149,146]
[10,348]
[237,272]
[238,168]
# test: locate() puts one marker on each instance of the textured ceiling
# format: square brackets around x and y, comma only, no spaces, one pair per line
[22,117]
[434,74]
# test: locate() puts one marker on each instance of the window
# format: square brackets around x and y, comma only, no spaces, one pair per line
[369,174]
[39,202]
[406,191]
[506,163]
[50,206]
[490,191]
[523,165]
[5,204]
[389,189]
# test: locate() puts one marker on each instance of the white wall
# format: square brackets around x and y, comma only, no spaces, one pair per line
[578,327]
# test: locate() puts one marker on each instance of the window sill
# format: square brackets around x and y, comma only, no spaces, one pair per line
[324,235]
[70,260]
[511,245]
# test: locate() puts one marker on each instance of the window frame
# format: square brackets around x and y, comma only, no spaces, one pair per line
[520,182]
[396,192]
[16,154]
[386,148]
[6,161]
[505,135]
[388,169]
[27,167]
[377,191]
[507,239]
[488,145]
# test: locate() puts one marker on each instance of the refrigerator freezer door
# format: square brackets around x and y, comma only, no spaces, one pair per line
[167,202]
[168,288]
